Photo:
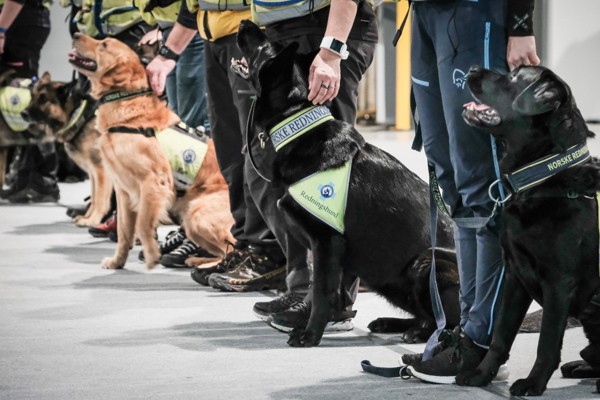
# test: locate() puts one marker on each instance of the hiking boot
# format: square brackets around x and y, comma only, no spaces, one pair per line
[230,262]
[443,367]
[256,272]
[177,257]
[264,309]
[102,230]
[298,314]
[173,240]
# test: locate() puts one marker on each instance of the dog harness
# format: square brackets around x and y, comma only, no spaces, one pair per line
[13,101]
[79,117]
[324,194]
[183,146]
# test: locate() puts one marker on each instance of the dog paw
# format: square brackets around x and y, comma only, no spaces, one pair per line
[111,263]
[83,222]
[474,377]
[527,387]
[380,325]
[579,370]
[299,337]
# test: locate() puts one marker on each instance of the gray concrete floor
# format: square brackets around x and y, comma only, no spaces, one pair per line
[71,330]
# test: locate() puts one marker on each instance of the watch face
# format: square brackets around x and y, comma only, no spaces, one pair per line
[336,45]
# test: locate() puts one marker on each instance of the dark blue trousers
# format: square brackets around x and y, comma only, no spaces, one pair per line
[447,38]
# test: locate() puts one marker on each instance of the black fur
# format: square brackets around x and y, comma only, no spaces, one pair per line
[550,241]
[386,239]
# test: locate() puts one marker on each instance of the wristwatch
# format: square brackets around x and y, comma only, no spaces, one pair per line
[168,53]
[335,46]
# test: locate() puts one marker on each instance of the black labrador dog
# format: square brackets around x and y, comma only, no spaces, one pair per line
[550,220]
[385,240]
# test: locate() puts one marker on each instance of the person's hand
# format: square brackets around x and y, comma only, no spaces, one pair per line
[157,71]
[2,42]
[324,77]
[151,37]
[521,51]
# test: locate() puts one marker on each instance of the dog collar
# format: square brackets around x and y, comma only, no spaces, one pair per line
[116,96]
[296,125]
[538,171]
[78,119]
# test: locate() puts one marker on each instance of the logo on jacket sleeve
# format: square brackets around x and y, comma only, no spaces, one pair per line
[189,156]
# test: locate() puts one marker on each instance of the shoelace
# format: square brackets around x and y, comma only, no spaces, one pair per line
[287,300]
[188,247]
[174,238]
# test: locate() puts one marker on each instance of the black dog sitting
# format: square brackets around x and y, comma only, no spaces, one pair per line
[550,232]
[384,236]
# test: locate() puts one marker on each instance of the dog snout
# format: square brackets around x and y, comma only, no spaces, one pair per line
[474,69]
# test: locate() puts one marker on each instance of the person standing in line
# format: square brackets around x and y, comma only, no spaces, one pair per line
[448,37]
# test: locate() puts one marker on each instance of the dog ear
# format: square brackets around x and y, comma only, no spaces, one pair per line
[545,94]
[45,78]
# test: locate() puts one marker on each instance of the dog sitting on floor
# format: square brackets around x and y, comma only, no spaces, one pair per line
[68,112]
[550,220]
[383,236]
[139,131]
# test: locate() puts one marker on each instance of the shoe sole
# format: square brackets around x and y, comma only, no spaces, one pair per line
[264,318]
[249,285]
[443,380]
[502,375]
[331,327]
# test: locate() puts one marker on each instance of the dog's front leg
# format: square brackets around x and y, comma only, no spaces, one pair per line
[125,231]
[554,321]
[513,308]
[327,254]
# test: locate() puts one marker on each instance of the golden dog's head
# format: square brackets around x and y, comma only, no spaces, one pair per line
[109,64]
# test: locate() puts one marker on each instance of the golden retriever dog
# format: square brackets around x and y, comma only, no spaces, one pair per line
[68,113]
[131,119]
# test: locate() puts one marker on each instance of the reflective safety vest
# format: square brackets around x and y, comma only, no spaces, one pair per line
[13,101]
[165,17]
[223,5]
[184,149]
[102,18]
[265,12]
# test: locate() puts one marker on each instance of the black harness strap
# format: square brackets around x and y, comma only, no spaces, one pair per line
[148,132]
[115,96]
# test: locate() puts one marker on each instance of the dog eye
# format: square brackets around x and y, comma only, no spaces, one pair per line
[104,44]
[43,98]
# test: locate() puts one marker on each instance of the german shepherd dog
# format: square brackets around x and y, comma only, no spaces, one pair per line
[140,172]
[57,106]
[550,224]
[386,239]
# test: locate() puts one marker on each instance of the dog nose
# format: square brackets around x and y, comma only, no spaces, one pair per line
[474,69]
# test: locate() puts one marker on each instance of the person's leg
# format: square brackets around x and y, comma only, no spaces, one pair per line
[190,81]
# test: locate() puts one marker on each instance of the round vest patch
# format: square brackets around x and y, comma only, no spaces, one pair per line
[189,156]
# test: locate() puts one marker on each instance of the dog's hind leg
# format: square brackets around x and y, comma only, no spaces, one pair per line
[126,218]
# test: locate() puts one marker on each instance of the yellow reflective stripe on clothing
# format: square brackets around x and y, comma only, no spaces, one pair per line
[325,195]
[266,12]
[223,5]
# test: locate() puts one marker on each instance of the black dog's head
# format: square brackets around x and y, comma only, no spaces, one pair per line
[530,109]
[272,68]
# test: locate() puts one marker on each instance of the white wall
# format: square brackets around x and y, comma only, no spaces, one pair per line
[573,49]
[54,53]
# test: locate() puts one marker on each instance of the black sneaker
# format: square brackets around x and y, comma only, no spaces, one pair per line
[447,339]
[298,314]
[264,309]
[173,240]
[232,259]
[256,272]
[443,367]
[177,257]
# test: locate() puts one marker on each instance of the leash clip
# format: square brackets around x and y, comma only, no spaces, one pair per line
[262,138]
[497,201]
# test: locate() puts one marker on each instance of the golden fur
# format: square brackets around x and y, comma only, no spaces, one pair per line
[140,172]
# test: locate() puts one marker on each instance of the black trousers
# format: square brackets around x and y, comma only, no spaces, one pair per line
[229,98]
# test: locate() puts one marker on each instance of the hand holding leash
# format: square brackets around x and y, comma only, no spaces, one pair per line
[324,77]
